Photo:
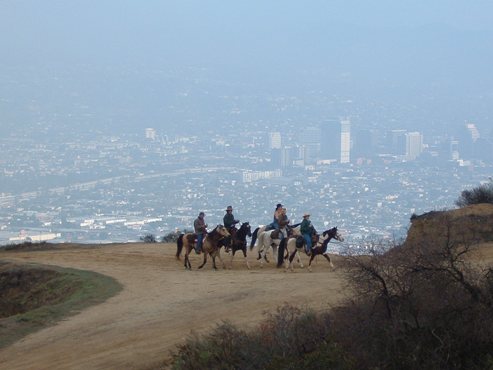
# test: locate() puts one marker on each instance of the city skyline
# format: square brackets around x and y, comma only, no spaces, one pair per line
[151,111]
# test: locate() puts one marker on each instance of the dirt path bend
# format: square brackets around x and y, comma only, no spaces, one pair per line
[159,306]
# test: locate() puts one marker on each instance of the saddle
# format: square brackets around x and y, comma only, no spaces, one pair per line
[276,234]
[300,241]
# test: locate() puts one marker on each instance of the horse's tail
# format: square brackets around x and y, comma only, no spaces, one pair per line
[260,241]
[179,246]
[254,237]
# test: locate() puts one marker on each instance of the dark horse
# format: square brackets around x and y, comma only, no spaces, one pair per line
[322,249]
[238,242]
[211,245]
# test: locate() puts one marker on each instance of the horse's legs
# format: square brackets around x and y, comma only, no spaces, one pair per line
[289,262]
[187,260]
[298,255]
[261,255]
[310,263]
[205,259]
[245,256]
[218,254]
[231,259]
[265,251]
[328,259]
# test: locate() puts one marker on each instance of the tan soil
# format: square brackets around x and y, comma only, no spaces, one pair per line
[161,304]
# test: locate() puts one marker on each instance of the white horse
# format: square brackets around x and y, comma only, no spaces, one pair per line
[293,246]
[286,231]
[265,240]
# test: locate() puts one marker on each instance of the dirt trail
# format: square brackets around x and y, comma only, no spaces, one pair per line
[161,303]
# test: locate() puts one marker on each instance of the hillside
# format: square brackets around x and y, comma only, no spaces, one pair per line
[471,225]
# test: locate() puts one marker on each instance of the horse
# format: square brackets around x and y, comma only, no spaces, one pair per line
[322,249]
[238,242]
[188,241]
[211,245]
[293,247]
[284,252]
[266,240]
[295,230]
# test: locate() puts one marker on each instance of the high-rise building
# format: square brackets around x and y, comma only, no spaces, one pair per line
[397,140]
[287,156]
[330,143]
[364,143]
[275,140]
[150,133]
[310,139]
[414,145]
[454,150]
[345,140]
[336,140]
[474,132]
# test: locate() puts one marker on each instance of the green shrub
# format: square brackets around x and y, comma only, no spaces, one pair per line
[291,338]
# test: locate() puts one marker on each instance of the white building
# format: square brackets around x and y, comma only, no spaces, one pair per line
[414,145]
[275,140]
[150,133]
[345,141]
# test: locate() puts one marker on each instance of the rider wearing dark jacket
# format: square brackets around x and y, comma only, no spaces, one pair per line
[200,228]
[228,219]
[306,229]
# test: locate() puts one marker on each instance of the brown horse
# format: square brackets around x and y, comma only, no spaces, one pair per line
[211,245]
[188,241]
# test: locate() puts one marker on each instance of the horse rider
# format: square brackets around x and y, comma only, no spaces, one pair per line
[306,229]
[229,222]
[283,221]
[200,228]
[229,219]
[277,214]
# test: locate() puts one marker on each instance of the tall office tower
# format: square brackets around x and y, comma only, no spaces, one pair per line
[397,141]
[345,140]
[275,140]
[150,133]
[454,150]
[310,139]
[287,156]
[471,127]
[275,158]
[365,143]
[330,143]
[414,145]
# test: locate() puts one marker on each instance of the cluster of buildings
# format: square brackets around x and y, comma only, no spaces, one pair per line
[103,188]
[335,141]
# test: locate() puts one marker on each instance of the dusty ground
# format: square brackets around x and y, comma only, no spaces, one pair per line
[161,303]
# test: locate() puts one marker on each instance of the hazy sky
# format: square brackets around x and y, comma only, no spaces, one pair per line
[120,31]
[439,47]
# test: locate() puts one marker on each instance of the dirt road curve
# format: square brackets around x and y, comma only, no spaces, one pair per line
[159,306]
